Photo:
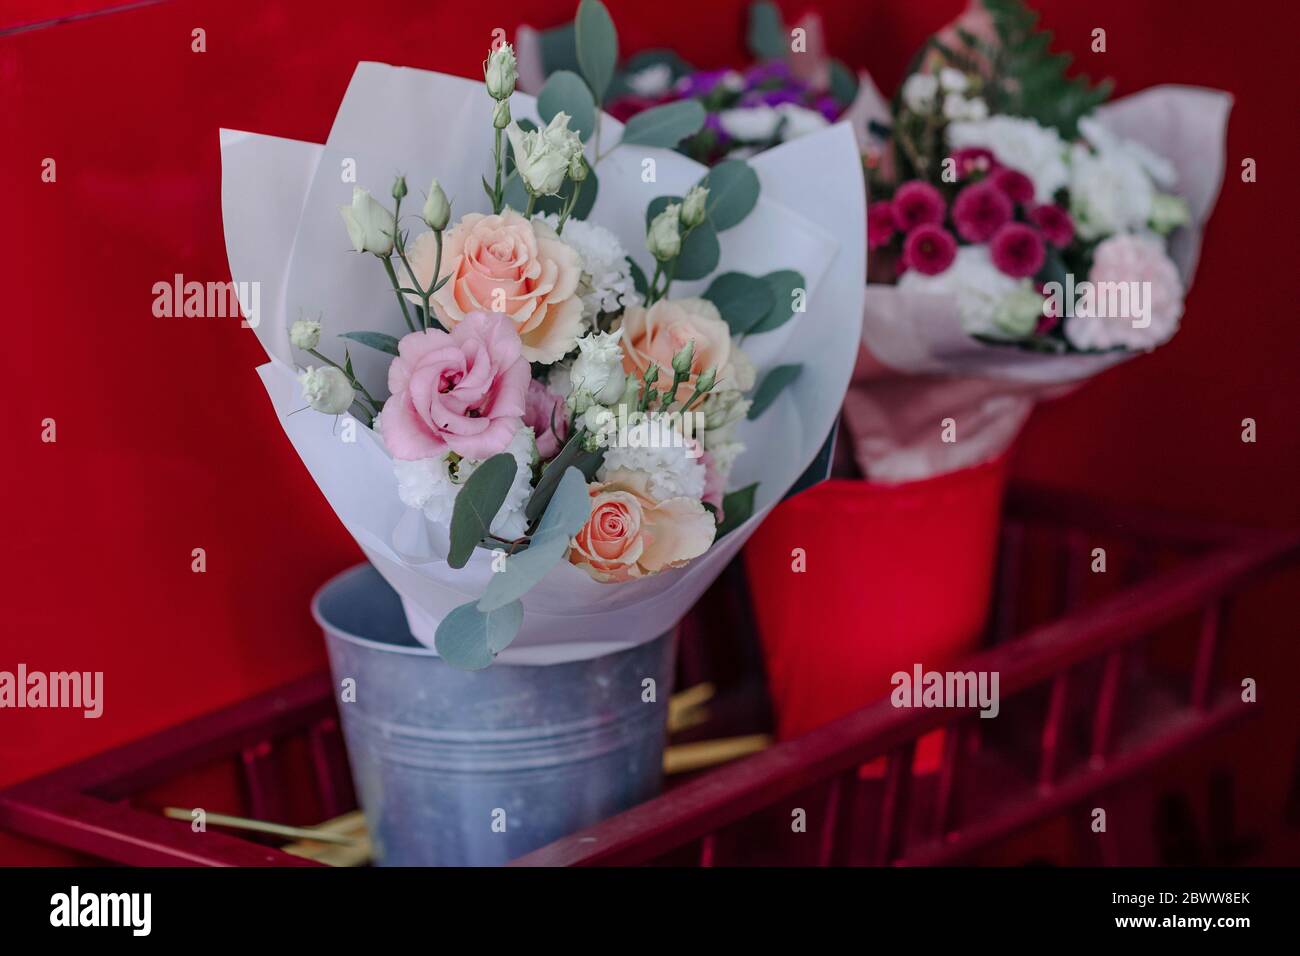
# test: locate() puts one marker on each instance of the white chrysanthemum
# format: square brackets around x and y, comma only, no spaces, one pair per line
[1161,171]
[657,449]
[974,281]
[1110,192]
[607,284]
[750,123]
[1022,144]
[432,484]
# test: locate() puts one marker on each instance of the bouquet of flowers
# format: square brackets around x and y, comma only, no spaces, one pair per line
[551,418]
[1024,235]
[791,88]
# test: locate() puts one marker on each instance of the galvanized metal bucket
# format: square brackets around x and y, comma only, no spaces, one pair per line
[457,768]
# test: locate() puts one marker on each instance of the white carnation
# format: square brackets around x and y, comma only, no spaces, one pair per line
[974,281]
[1109,193]
[799,121]
[1160,170]
[510,521]
[750,123]
[606,284]
[1022,144]
[653,446]
[427,484]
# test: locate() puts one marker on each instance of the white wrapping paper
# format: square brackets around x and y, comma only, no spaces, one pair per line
[280,202]
[926,368]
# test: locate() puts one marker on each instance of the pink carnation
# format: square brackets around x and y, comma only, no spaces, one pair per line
[1016,185]
[915,204]
[546,414]
[460,391]
[1054,223]
[1017,250]
[929,249]
[880,224]
[981,210]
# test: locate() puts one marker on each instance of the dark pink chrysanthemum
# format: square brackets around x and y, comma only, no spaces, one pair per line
[917,203]
[980,211]
[1016,185]
[880,223]
[929,249]
[1054,223]
[1017,250]
[973,159]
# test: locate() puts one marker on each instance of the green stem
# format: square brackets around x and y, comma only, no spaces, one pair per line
[397,290]
[496,152]
[532,201]
[568,207]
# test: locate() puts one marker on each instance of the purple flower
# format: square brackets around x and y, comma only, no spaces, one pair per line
[701,83]
[880,223]
[929,249]
[1017,186]
[1017,250]
[769,72]
[980,210]
[917,203]
[1054,223]
[829,107]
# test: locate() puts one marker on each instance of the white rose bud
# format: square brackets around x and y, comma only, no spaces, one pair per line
[327,390]
[370,225]
[598,369]
[1016,315]
[693,206]
[543,156]
[578,167]
[437,210]
[664,239]
[500,72]
[305,334]
[501,115]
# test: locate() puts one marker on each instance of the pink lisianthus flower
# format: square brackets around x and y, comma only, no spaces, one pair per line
[461,391]
[1054,223]
[1017,187]
[929,249]
[917,203]
[880,224]
[546,414]
[1017,250]
[980,210]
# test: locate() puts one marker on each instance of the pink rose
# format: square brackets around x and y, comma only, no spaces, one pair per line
[545,413]
[461,391]
[510,265]
[656,334]
[630,535]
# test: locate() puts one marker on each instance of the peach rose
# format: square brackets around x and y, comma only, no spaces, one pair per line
[535,272]
[630,535]
[658,333]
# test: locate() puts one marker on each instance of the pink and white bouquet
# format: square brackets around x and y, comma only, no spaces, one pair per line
[552,416]
[1023,234]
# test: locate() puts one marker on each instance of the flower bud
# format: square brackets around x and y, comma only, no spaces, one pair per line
[682,360]
[327,390]
[399,188]
[693,206]
[436,208]
[1016,315]
[705,382]
[578,168]
[500,71]
[370,225]
[305,334]
[664,238]
[652,374]
[1168,212]
[598,369]
[501,114]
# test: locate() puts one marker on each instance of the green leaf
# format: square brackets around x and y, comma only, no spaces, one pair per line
[783,283]
[737,507]
[733,192]
[665,125]
[559,49]
[742,299]
[844,83]
[771,386]
[567,512]
[766,36]
[597,43]
[477,504]
[565,92]
[700,253]
[639,281]
[469,639]
[572,454]
[376,340]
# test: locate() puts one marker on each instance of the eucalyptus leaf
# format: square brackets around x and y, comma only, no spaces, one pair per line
[771,386]
[766,35]
[743,300]
[597,43]
[477,505]
[844,84]
[559,49]
[375,340]
[565,92]
[737,507]
[469,639]
[665,125]
[733,192]
[639,281]
[572,454]
[783,283]
[700,253]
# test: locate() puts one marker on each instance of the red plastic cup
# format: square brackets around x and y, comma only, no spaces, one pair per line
[894,575]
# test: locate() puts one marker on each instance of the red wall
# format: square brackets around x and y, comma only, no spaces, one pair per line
[166,441]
